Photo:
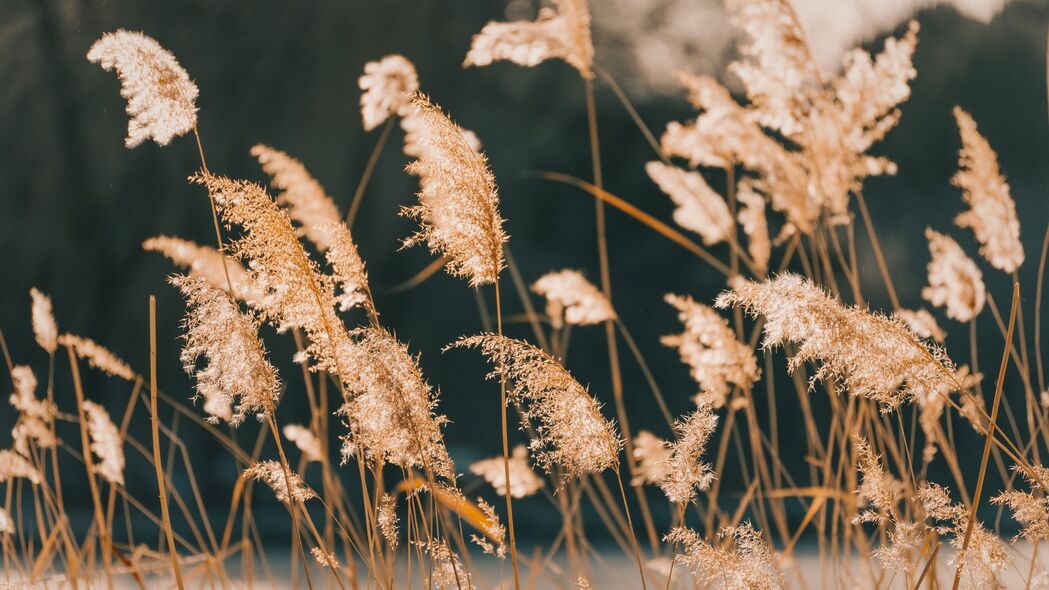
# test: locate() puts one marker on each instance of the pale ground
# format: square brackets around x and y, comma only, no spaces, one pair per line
[610,571]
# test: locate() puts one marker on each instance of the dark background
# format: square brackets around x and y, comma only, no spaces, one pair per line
[75,205]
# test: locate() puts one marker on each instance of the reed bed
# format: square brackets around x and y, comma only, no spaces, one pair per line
[372,494]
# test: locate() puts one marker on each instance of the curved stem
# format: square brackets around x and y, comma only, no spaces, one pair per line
[506,445]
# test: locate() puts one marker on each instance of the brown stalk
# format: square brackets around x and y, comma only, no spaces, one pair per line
[172,553]
[990,432]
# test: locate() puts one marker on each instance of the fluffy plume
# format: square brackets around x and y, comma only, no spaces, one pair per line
[955,282]
[319,220]
[294,293]
[923,323]
[389,406]
[572,433]
[34,415]
[97,356]
[285,485]
[446,570]
[831,125]
[7,524]
[872,355]
[238,379]
[106,443]
[387,520]
[650,451]
[388,86]
[13,465]
[985,558]
[992,212]
[879,492]
[161,99]
[558,32]
[681,472]
[458,208]
[523,481]
[747,566]
[1031,508]
[699,208]
[206,263]
[710,348]
[325,559]
[572,299]
[493,530]
[304,440]
[45,329]
[756,227]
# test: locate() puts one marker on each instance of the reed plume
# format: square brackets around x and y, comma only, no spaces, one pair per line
[992,212]
[699,208]
[161,98]
[573,300]
[287,486]
[45,329]
[106,443]
[386,519]
[14,466]
[237,379]
[558,32]
[872,355]
[523,480]
[388,86]
[681,472]
[458,208]
[319,221]
[206,263]
[717,359]
[955,282]
[389,407]
[749,565]
[34,415]
[984,559]
[571,432]
[304,439]
[97,356]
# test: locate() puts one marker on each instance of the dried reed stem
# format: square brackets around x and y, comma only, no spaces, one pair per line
[157,464]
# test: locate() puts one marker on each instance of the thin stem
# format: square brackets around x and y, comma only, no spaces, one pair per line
[358,195]
[990,432]
[506,444]
[157,464]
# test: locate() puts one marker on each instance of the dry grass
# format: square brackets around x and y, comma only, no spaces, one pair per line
[390,512]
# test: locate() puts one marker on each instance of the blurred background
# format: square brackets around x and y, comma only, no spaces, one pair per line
[75,205]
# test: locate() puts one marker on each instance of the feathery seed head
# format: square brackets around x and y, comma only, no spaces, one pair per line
[388,86]
[992,212]
[206,263]
[523,481]
[710,348]
[872,355]
[458,208]
[699,208]
[319,220]
[161,98]
[304,440]
[572,299]
[922,323]
[558,32]
[13,465]
[238,379]
[681,472]
[955,282]
[34,415]
[284,484]
[97,356]
[748,565]
[106,443]
[572,433]
[45,329]
[387,520]
[389,406]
